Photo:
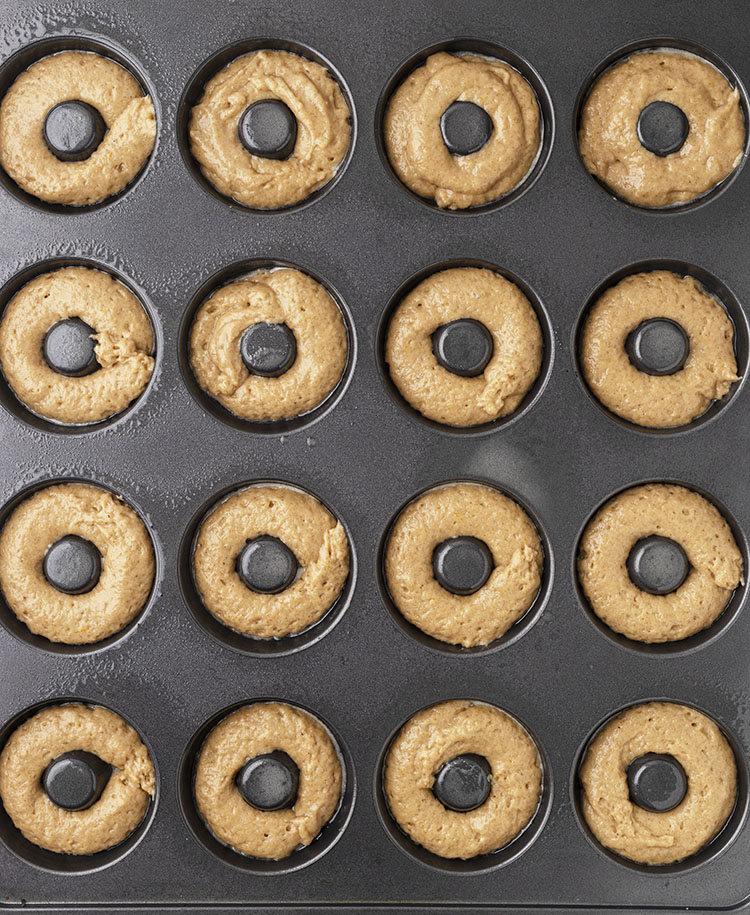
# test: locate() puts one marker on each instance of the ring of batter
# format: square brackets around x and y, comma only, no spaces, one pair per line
[323,129]
[127,563]
[658,837]
[658,401]
[277,296]
[317,539]
[608,138]
[414,142]
[252,731]
[457,510]
[105,85]
[438,734]
[679,514]
[124,346]
[450,295]
[60,729]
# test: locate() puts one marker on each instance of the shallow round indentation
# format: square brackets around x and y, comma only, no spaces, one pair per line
[30,54]
[465,128]
[269,781]
[209,69]
[72,565]
[666,126]
[268,349]
[717,846]
[519,628]
[464,346]
[481,48]
[75,781]
[73,130]
[268,129]
[692,643]
[233,638]
[302,857]
[667,346]
[261,354]
[69,348]
[61,863]
[658,565]
[72,346]
[462,565]
[463,783]
[657,781]
[267,565]
[474,767]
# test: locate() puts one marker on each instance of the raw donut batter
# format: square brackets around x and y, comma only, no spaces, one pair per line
[252,731]
[438,734]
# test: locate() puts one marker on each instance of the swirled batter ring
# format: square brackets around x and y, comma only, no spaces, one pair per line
[60,729]
[668,511]
[451,295]
[101,83]
[658,401]
[458,510]
[281,296]
[323,129]
[608,135]
[127,563]
[124,345]
[648,836]
[253,731]
[414,141]
[432,738]
[316,538]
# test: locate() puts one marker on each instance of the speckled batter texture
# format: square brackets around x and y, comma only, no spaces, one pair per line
[60,729]
[449,295]
[124,345]
[252,731]
[282,296]
[647,836]
[608,138]
[103,84]
[434,737]
[683,516]
[127,563]
[323,129]
[415,144]
[456,510]
[316,538]
[658,401]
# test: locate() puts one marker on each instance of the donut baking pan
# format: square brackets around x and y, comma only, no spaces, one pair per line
[175,671]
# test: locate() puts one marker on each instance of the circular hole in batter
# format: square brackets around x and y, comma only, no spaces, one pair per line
[481,863]
[21,631]
[531,396]
[30,54]
[223,58]
[8,398]
[674,45]
[518,629]
[302,856]
[476,47]
[242,270]
[711,285]
[719,844]
[57,862]
[712,632]
[262,647]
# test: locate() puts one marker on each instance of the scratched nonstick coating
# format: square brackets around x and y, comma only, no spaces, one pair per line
[366,456]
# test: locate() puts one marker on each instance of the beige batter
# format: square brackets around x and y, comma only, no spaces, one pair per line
[449,295]
[127,563]
[309,530]
[647,836]
[415,144]
[281,296]
[124,345]
[456,510]
[323,129]
[608,138]
[658,401]
[683,516]
[252,731]
[60,729]
[437,735]
[103,84]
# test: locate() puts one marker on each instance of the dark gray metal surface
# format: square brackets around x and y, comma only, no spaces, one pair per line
[168,456]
